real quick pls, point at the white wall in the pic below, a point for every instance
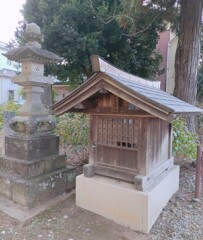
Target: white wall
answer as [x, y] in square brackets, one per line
[7, 70]
[5, 86]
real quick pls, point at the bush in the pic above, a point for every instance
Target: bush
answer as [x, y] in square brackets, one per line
[73, 129]
[184, 141]
[10, 106]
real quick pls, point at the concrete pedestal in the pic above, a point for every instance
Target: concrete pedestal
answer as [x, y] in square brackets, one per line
[120, 202]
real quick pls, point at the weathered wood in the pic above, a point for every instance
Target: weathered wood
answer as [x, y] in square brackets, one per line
[143, 182]
[107, 111]
[122, 159]
[170, 134]
[151, 100]
[142, 158]
[158, 140]
[89, 170]
[78, 96]
[138, 114]
[119, 174]
[115, 106]
[137, 102]
[104, 101]
[153, 144]
[130, 130]
[141, 92]
[92, 139]
[115, 144]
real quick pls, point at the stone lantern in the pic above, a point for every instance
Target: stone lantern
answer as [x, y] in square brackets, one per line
[32, 171]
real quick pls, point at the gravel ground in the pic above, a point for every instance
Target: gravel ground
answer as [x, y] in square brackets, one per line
[182, 218]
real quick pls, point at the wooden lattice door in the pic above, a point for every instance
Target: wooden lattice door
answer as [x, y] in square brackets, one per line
[116, 144]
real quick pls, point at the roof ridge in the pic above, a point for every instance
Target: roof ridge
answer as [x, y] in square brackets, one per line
[100, 65]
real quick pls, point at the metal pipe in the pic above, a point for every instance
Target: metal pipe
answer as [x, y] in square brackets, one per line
[198, 172]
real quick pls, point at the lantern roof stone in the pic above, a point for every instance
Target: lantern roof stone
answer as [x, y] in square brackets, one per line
[32, 50]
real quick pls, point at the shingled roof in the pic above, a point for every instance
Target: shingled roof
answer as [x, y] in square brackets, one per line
[140, 92]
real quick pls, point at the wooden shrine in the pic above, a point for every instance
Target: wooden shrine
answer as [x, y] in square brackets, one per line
[130, 129]
[131, 165]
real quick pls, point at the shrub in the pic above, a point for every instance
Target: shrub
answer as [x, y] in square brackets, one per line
[184, 141]
[73, 129]
[9, 106]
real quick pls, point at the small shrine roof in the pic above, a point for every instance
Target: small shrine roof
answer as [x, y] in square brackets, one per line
[143, 93]
[156, 96]
[34, 53]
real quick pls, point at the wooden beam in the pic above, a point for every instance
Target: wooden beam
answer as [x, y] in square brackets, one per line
[101, 81]
[138, 102]
[78, 97]
[144, 182]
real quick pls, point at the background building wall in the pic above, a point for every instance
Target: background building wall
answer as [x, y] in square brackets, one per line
[167, 46]
[8, 69]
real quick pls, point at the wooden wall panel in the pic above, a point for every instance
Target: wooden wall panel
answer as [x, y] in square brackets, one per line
[118, 158]
[92, 139]
[142, 158]
[158, 140]
[137, 144]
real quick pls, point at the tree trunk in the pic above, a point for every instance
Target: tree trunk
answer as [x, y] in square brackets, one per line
[188, 52]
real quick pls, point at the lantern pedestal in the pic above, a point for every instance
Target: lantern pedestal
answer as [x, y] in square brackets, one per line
[32, 172]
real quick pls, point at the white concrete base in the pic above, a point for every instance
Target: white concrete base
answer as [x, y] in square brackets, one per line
[120, 202]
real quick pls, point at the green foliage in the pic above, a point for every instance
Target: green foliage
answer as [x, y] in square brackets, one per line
[75, 30]
[73, 129]
[1, 121]
[21, 92]
[200, 84]
[54, 94]
[10, 106]
[184, 141]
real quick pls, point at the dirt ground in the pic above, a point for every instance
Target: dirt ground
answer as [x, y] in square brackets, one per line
[182, 219]
[66, 222]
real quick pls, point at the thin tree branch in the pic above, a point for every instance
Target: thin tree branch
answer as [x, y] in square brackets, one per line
[104, 21]
[144, 30]
[114, 17]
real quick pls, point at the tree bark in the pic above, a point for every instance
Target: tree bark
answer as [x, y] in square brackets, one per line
[188, 52]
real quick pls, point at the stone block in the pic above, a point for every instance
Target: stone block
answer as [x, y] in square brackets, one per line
[23, 192]
[30, 169]
[34, 191]
[5, 187]
[31, 192]
[31, 148]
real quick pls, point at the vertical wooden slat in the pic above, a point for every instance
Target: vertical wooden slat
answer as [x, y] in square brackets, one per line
[170, 139]
[92, 139]
[156, 144]
[142, 147]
